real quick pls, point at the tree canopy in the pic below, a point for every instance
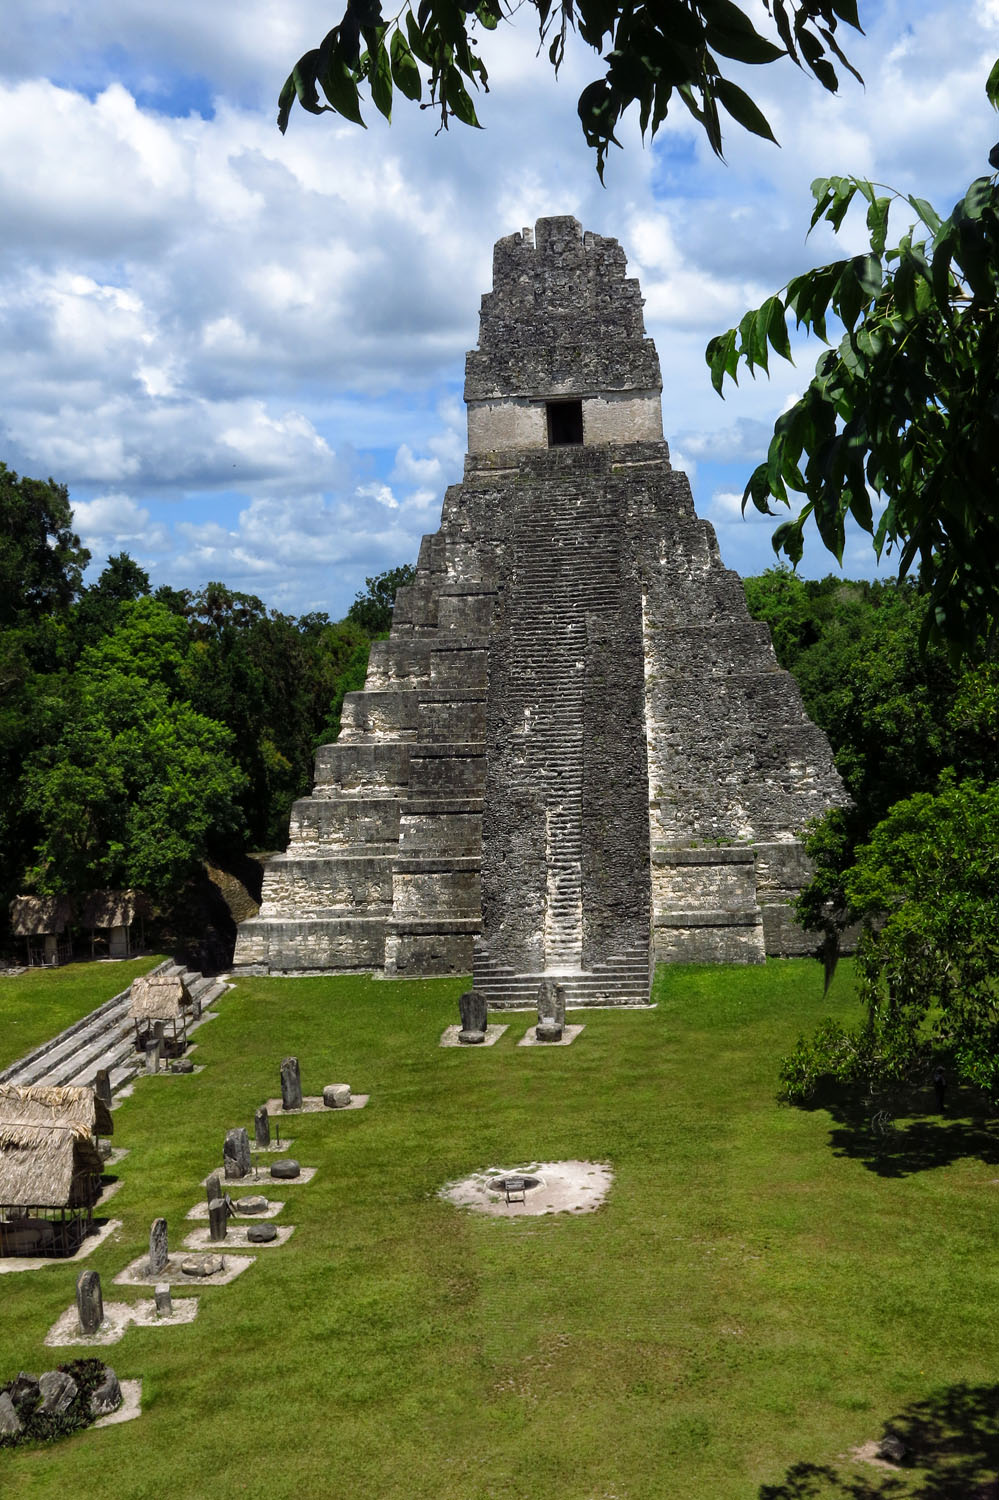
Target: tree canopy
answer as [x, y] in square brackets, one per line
[926, 887]
[655, 53]
[904, 411]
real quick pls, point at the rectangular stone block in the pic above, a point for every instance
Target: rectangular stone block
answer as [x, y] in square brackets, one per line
[380, 715]
[335, 825]
[362, 770]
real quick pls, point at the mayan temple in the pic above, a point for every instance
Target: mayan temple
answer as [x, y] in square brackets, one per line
[576, 754]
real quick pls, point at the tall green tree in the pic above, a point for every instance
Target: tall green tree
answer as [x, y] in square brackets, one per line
[656, 54]
[926, 887]
[905, 409]
[41, 557]
[134, 788]
[372, 610]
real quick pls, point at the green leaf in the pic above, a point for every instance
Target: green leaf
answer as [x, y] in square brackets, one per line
[877, 223]
[927, 213]
[869, 275]
[380, 80]
[458, 99]
[404, 69]
[341, 90]
[286, 99]
[417, 41]
[980, 196]
[743, 110]
[722, 359]
[777, 328]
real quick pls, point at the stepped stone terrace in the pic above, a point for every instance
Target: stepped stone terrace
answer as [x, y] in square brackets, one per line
[576, 754]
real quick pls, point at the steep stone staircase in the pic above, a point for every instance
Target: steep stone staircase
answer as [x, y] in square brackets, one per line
[105, 1039]
[562, 574]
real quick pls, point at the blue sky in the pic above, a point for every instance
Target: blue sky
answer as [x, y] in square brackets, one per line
[243, 352]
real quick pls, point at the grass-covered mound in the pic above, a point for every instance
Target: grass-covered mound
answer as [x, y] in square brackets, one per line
[756, 1292]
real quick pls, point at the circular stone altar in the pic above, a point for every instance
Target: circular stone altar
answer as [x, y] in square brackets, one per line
[550, 1187]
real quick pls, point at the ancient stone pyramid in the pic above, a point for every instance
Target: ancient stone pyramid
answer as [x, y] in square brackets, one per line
[576, 754]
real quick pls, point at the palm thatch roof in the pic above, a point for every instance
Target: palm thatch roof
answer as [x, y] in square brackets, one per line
[48, 1166]
[33, 916]
[113, 908]
[45, 1106]
[158, 997]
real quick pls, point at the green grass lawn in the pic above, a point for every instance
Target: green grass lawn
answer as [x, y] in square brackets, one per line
[763, 1287]
[39, 1003]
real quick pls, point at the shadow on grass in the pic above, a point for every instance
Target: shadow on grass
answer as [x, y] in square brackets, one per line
[919, 1139]
[951, 1453]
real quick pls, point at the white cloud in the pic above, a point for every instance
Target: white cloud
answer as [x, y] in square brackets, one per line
[259, 338]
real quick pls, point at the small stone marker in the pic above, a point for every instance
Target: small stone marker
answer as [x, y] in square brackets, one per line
[218, 1215]
[89, 1302]
[336, 1095]
[261, 1234]
[102, 1086]
[473, 1010]
[58, 1392]
[551, 1011]
[287, 1168]
[256, 1205]
[158, 1251]
[291, 1084]
[164, 1302]
[107, 1396]
[10, 1422]
[262, 1127]
[182, 1065]
[153, 1049]
[213, 1187]
[236, 1154]
[891, 1449]
[202, 1265]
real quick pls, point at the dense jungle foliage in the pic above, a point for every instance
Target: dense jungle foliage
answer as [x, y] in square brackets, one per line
[915, 860]
[143, 732]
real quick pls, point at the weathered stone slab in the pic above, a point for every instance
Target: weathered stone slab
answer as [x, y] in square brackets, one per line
[58, 1392]
[236, 1154]
[336, 1095]
[89, 1302]
[159, 1252]
[106, 1397]
[262, 1127]
[291, 1084]
[10, 1422]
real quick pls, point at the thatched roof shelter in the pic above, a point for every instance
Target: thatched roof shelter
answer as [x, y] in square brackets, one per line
[33, 916]
[158, 997]
[113, 908]
[48, 1166]
[45, 1106]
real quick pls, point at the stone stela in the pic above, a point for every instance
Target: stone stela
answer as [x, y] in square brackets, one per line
[576, 754]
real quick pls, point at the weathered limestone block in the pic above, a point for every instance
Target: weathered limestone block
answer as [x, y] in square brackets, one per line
[389, 714]
[291, 1084]
[474, 1012]
[362, 770]
[236, 1161]
[158, 1247]
[89, 1301]
[398, 663]
[341, 825]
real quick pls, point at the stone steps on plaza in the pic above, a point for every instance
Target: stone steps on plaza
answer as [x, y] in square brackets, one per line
[105, 1039]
